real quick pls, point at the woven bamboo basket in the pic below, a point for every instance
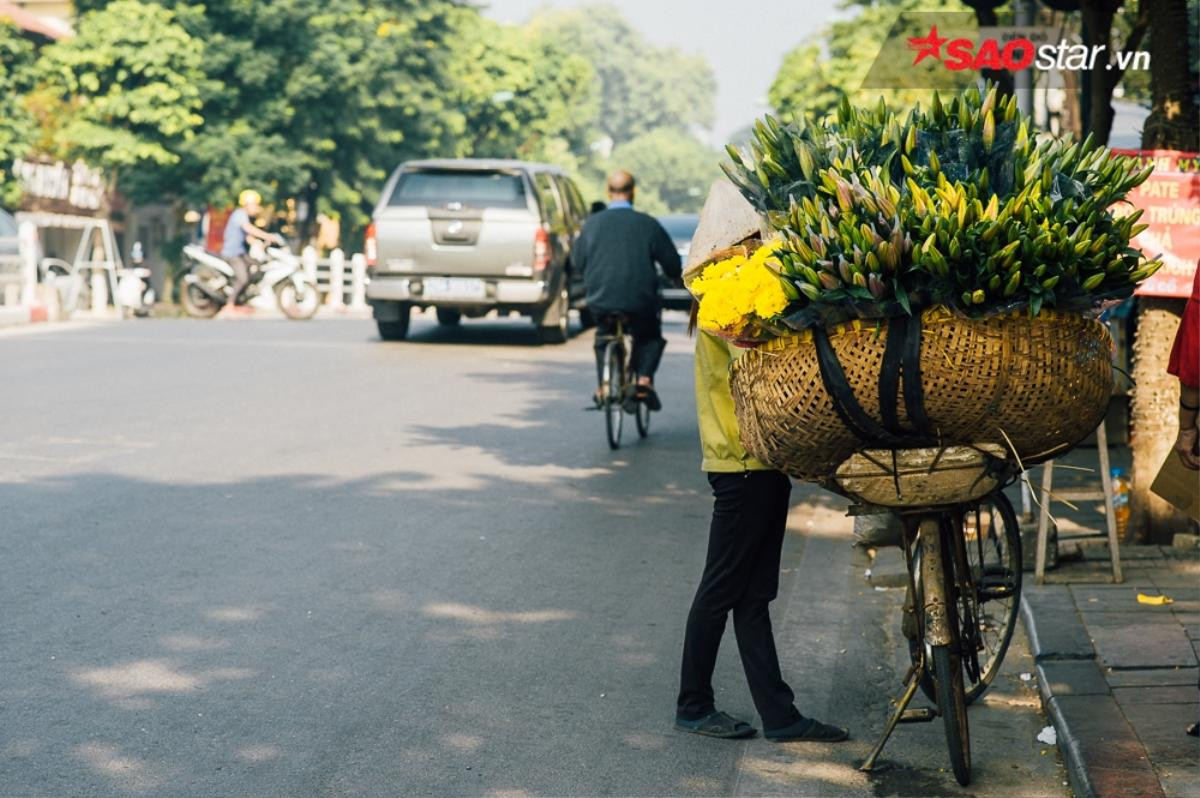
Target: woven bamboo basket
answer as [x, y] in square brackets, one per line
[1038, 385]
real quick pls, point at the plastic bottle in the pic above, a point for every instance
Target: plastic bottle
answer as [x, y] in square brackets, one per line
[1120, 488]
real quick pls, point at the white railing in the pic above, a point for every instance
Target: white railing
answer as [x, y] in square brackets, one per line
[341, 281]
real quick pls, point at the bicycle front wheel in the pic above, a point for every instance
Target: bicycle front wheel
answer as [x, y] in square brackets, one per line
[993, 547]
[613, 389]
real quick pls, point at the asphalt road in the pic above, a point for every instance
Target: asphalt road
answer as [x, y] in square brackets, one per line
[269, 558]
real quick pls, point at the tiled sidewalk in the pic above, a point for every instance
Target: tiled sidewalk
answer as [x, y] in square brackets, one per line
[1119, 677]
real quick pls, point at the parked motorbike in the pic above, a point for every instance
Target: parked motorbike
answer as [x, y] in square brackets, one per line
[209, 281]
[134, 289]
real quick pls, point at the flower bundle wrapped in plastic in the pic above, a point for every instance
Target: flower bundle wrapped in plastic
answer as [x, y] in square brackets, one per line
[741, 295]
[961, 205]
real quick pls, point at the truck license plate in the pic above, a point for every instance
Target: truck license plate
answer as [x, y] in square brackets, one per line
[454, 288]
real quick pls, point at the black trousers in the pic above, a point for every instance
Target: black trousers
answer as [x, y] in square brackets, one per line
[741, 574]
[648, 341]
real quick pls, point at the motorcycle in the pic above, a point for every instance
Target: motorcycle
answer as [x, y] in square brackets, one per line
[209, 281]
[134, 289]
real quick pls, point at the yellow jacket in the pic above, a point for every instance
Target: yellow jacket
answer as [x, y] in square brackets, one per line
[723, 451]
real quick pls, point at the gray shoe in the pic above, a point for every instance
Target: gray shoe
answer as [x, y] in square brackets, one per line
[717, 724]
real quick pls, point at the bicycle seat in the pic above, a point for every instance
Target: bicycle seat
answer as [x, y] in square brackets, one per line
[925, 477]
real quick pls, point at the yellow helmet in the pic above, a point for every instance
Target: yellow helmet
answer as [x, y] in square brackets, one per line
[248, 196]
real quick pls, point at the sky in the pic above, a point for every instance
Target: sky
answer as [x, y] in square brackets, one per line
[743, 41]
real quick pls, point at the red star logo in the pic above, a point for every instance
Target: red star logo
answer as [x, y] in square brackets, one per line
[931, 45]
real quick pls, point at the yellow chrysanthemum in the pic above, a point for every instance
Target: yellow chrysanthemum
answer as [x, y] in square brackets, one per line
[736, 291]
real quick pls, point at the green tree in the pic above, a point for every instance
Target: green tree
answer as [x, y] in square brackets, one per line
[673, 170]
[16, 122]
[130, 82]
[320, 99]
[518, 93]
[641, 87]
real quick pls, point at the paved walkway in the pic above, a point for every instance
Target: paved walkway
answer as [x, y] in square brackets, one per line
[1119, 676]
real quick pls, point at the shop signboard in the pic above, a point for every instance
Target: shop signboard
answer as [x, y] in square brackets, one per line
[1170, 201]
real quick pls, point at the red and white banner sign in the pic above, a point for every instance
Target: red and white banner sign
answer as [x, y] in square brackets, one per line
[1170, 198]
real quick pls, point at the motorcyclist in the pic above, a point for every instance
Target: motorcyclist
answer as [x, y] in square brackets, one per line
[234, 247]
[616, 253]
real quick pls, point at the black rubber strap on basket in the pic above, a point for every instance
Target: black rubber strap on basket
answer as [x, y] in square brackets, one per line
[914, 390]
[865, 428]
[889, 374]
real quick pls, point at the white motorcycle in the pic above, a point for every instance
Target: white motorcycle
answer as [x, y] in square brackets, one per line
[209, 281]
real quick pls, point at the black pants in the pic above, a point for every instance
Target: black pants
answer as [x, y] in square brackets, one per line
[648, 342]
[241, 278]
[741, 574]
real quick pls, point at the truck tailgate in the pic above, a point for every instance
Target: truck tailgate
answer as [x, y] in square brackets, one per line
[488, 242]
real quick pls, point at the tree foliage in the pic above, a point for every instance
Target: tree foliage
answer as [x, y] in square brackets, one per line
[642, 87]
[16, 122]
[318, 100]
[673, 171]
[516, 92]
[130, 79]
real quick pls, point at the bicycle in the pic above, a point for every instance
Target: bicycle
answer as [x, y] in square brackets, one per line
[962, 549]
[618, 385]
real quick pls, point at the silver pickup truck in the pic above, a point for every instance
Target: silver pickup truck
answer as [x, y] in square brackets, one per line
[470, 236]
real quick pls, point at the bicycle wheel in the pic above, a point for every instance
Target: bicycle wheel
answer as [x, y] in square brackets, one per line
[993, 547]
[613, 389]
[642, 415]
[952, 706]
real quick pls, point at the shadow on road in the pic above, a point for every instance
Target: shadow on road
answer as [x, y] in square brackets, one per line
[301, 635]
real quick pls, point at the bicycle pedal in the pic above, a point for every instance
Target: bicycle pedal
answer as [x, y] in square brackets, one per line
[919, 715]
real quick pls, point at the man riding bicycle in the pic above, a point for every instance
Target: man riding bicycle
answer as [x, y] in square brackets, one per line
[616, 253]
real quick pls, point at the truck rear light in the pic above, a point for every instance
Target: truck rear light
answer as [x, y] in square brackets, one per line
[541, 250]
[371, 246]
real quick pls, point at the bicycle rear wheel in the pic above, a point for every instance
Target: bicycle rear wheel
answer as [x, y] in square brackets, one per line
[940, 634]
[642, 415]
[952, 706]
[613, 387]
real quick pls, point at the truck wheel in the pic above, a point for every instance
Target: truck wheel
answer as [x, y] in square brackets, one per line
[553, 327]
[449, 317]
[395, 329]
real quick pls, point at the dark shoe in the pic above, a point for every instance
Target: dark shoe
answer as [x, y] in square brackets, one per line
[647, 394]
[1194, 730]
[717, 724]
[809, 730]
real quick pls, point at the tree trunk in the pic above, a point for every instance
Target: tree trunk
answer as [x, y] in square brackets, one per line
[1097, 19]
[1174, 122]
[1153, 417]
[985, 16]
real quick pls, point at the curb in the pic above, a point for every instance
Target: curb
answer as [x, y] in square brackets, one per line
[19, 315]
[1102, 754]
